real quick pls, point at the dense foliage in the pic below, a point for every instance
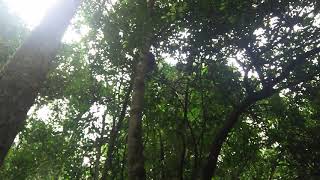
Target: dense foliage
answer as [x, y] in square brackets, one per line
[235, 79]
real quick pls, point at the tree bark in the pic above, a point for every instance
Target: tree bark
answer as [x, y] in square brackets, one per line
[23, 76]
[221, 137]
[182, 132]
[212, 159]
[136, 169]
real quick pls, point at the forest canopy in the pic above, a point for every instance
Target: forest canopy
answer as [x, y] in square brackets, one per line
[159, 89]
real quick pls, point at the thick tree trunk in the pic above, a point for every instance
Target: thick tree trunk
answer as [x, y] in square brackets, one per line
[22, 77]
[136, 169]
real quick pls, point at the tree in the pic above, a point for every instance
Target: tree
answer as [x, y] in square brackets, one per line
[24, 74]
[235, 92]
[135, 144]
[286, 74]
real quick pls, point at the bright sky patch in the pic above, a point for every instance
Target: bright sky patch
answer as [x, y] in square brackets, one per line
[30, 11]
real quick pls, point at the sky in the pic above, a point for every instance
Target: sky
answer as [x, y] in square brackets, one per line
[30, 11]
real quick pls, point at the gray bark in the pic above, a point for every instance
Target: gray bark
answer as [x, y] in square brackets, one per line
[136, 169]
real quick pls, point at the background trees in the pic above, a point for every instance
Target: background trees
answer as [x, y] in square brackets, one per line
[234, 94]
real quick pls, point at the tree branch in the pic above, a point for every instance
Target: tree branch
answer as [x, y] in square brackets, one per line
[300, 59]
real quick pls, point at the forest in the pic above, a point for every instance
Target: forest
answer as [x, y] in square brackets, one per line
[162, 89]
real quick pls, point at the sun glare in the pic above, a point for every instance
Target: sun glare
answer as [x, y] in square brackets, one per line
[30, 11]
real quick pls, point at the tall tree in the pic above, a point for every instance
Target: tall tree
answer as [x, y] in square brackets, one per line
[23, 76]
[136, 168]
[280, 48]
[219, 111]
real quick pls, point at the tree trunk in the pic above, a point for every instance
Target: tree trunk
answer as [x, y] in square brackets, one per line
[212, 159]
[222, 135]
[23, 76]
[136, 169]
[182, 132]
[267, 91]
